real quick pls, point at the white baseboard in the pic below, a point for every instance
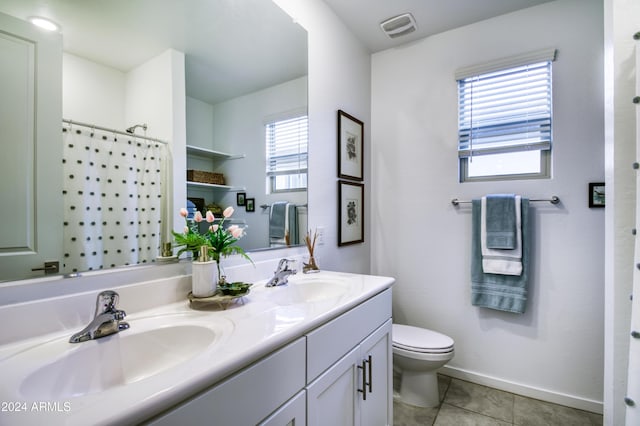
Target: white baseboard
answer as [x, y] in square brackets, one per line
[524, 390]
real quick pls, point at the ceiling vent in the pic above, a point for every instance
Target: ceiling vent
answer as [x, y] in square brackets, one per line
[399, 25]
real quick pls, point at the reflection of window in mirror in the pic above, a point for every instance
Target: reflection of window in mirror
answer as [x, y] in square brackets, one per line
[286, 148]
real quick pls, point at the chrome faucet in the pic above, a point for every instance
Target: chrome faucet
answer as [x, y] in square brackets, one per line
[281, 274]
[107, 319]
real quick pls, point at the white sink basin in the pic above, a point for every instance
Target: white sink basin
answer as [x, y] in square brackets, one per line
[58, 369]
[309, 289]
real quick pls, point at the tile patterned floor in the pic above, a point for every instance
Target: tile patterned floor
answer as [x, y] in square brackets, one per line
[469, 404]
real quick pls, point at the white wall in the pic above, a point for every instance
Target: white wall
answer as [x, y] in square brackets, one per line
[92, 93]
[199, 123]
[555, 350]
[150, 96]
[622, 20]
[339, 78]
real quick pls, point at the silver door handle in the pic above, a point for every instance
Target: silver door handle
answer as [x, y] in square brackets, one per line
[49, 267]
[363, 367]
[370, 361]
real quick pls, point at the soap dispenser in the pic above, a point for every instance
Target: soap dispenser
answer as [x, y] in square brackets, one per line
[203, 271]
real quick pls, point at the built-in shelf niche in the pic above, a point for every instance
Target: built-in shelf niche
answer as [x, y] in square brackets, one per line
[214, 155]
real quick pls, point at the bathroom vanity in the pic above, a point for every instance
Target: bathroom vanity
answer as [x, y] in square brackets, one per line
[316, 351]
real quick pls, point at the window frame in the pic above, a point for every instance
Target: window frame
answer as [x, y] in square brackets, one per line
[545, 171]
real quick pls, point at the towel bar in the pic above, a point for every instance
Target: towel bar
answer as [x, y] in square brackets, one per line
[266, 206]
[553, 200]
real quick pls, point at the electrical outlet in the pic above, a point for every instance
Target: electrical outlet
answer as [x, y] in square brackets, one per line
[320, 234]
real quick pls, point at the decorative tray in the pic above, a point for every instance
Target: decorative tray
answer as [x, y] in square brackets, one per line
[224, 296]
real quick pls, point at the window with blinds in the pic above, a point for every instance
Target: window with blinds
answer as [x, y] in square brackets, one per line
[286, 147]
[505, 118]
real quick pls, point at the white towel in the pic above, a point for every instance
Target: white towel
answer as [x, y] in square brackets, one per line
[497, 261]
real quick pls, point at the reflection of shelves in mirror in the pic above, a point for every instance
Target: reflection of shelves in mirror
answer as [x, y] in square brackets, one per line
[213, 155]
[209, 153]
[215, 187]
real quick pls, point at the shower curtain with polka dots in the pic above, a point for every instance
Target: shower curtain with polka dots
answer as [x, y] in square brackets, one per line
[112, 192]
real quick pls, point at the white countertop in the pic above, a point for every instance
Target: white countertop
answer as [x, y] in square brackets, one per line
[268, 319]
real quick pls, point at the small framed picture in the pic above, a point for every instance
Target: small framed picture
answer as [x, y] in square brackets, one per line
[250, 204]
[350, 147]
[351, 213]
[596, 194]
[240, 198]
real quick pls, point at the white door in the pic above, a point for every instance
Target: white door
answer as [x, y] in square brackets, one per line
[332, 399]
[633, 379]
[30, 148]
[377, 408]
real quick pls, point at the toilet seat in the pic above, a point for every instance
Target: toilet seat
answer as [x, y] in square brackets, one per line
[420, 340]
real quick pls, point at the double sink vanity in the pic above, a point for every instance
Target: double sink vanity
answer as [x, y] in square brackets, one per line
[316, 351]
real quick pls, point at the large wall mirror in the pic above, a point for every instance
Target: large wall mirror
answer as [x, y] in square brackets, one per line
[245, 78]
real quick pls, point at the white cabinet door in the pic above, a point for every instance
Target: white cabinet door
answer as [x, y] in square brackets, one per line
[357, 390]
[332, 399]
[31, 145]
[376, 405]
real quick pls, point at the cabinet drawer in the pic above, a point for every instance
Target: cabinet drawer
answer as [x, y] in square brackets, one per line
[293, 413]
[247, 397]
[328, 343]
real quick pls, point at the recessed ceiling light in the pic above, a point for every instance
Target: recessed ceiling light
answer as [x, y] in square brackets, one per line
[44, 23]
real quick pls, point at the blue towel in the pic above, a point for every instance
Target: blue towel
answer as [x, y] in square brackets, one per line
[276, 219]
[501, 292]
[294, 238]
[501, 261]
[501, 221]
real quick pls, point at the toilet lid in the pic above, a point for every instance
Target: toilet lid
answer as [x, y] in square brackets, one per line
[418, 339]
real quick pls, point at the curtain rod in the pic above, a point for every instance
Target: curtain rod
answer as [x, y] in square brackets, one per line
[105, 129]
[553, 200]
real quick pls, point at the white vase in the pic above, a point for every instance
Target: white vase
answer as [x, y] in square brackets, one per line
[203, 278]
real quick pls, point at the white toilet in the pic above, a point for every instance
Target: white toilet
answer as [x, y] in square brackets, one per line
[418, 353]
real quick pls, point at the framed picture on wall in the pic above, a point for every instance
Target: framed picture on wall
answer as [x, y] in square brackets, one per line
[350, 147]
[250, 204]
[351, 213]
[596, 194]
[240, 198]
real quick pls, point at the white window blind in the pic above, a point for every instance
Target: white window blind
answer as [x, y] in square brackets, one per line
[506, 110]
[287, 142]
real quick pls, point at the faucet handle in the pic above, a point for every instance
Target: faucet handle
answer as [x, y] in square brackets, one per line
[287, 268]
[106, 302]
[283, 265]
